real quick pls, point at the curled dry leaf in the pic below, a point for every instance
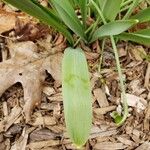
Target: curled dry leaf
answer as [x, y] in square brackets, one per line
[8, 20]
[28, 68]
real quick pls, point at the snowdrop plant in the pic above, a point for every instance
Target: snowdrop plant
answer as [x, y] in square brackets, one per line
[111, 23]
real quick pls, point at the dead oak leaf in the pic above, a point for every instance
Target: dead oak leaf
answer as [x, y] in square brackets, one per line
[28, 67]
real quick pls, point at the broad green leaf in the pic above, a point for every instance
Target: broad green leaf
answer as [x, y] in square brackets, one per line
[76, 95]
[142, 37]
[143, 15]
[41, 13]
[69, 17]
[113, 28]
[83, 7]
[101, 3]
[111, 8]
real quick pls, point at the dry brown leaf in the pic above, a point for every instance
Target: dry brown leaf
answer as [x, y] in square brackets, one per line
[7, 21]
[29, 68]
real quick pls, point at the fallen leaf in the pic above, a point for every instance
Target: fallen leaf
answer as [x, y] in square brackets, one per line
[7, 22]
[29, 68]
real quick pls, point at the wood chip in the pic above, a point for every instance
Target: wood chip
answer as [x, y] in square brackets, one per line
[46, 120]
[9, 120]
[147, 77]
[101, 133]
[125, 141]
[104, 110]
[147, 119]
[109, 146]
[101, 97]
[144, 146]
[43, 144]
[22, 142]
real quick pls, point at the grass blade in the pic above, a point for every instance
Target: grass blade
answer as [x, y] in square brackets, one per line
[43, 14]
[83, 7]
[69, 17]
[76, 95]
[143, 15]
[113, 28]
[142, 37]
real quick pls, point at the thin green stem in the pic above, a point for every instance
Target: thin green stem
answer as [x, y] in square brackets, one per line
[123, 96]
[90, 28]
[101, 57]
[126, 3]
[125, 105]
[125, 8]
[99, 11]
[130, 10]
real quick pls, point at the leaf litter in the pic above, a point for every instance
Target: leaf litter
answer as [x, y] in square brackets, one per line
[32, 114]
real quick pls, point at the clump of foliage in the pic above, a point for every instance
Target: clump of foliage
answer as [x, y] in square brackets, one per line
[112, 20]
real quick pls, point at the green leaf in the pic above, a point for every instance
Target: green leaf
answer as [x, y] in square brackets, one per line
[43, 14]
[83, 7]
[142, 37]
[101, 3]
[67, 13]
[76, 95]
[113, 28]
[111, 8]
[143, 16]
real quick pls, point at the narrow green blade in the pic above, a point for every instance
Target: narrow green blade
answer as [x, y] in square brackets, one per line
[76, 96]
[111, 8]
[41, 13]
[67, 13]
[113, 28]
[143, 16]
[83, 7]
[142, 37]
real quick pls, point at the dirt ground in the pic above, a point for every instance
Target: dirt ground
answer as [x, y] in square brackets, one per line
[31, 106]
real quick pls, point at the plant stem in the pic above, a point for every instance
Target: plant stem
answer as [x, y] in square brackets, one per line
[99, 11]
[123, 94]
[126, 3]
[90, 28]
[101, 57]
[130, 10]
